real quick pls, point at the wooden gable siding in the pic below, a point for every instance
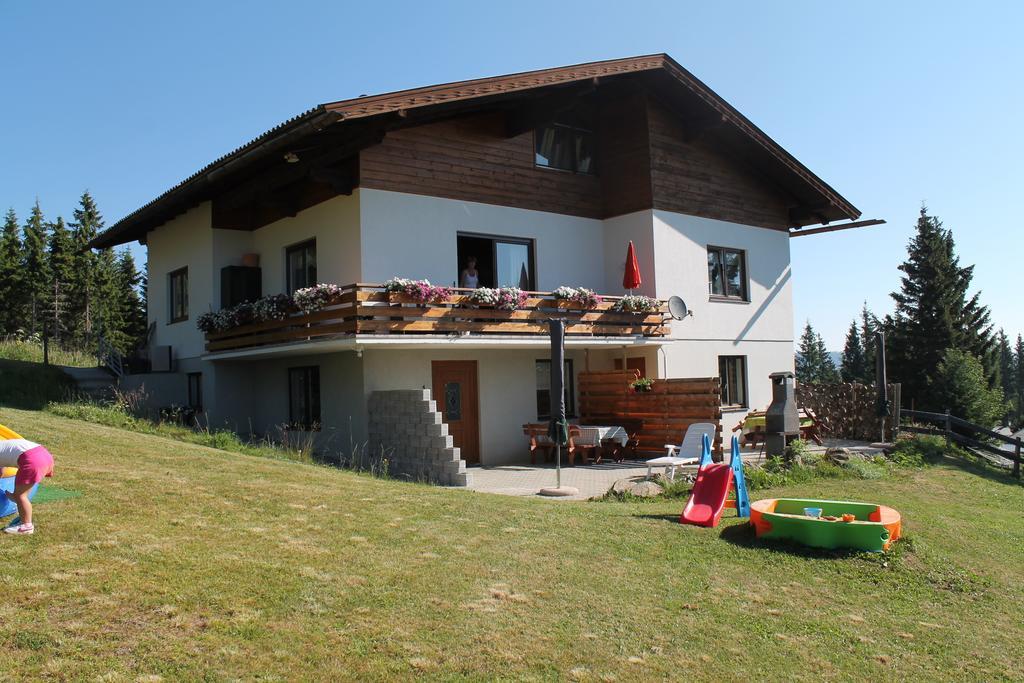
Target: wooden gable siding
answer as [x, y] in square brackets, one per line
[698, 179]
[624, 155]
[470, 159]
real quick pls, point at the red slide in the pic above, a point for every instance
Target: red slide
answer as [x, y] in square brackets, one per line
[707, 500]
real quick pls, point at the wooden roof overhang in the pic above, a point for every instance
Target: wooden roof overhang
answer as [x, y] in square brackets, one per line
[328, 137]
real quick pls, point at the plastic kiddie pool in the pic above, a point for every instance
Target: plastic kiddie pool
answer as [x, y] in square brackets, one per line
[874, 527]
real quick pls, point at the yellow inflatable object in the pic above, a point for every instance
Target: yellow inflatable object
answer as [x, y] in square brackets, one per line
[6, 433]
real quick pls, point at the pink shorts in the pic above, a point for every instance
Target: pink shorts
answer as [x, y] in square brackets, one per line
[33, 465]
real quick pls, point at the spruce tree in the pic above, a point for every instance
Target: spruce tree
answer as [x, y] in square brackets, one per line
[854, 366]
[35, 269]
[813, 363]
[132, 311]
[11, 292]
[1018, 365]
[61, 259]
[934, 313]
[869, 324]
[1007, 376]
[81, 295]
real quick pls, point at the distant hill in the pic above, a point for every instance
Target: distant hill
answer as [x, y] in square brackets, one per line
[837, 357]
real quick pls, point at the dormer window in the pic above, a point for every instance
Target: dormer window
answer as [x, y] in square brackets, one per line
[564, 147]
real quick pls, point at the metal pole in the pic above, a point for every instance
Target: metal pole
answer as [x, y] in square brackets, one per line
[558, 464]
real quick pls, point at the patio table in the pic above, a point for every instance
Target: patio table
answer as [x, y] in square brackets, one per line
[613, 437]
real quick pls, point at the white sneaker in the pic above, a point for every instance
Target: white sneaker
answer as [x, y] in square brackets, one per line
[21, 529]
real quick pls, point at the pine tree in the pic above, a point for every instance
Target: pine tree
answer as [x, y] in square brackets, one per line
[1018, 364]
[854, 366]
[11, 292]
[813, 363]
[35, 269]
[869, 324]
[61, 259]
[106, 311]
[81, 295]
[133, 312]
[1007, 376]
[934, 313]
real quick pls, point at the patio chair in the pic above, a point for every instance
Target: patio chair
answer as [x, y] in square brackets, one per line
[539, 441]
[686, 453]
[579, 444]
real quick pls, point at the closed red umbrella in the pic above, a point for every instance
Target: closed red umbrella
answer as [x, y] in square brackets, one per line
[631, 278]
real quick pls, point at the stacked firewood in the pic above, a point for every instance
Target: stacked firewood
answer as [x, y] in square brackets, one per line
[846, 411]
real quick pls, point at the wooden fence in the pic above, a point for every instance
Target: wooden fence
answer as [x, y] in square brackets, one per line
[847, 411]
[962, 432]
[661, 414]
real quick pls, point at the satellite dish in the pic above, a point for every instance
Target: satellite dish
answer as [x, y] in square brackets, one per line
[677, 308]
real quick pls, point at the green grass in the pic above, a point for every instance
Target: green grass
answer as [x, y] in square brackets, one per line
[191, 563]
[112, 415]
[32, 352]
[32, 385]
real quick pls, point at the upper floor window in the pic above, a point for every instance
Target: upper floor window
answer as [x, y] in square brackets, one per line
[732, 370]
[300, 261]
[727, 273]
[177, 282]
[304, 398]
[564, 147]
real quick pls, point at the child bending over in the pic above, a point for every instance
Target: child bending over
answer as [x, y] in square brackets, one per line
[33, 462]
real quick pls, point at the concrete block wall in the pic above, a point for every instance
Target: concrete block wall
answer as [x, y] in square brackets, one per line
[406, 426]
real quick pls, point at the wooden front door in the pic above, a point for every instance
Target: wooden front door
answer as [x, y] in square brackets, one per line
[455, 391]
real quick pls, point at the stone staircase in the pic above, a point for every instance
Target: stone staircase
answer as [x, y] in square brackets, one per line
[97, 384]
[406, 427]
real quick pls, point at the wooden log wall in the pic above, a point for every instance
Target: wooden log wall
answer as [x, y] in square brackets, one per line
[846, 411]
[663, 413]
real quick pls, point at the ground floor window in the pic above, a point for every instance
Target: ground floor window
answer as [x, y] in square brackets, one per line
[544, 390]
[733, 373]
[195, 391]
[304, 398]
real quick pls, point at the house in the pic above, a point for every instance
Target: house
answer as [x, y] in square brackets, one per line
[544, 177]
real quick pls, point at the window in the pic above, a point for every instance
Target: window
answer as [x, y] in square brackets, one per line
[304, 398]
[301, 265]
[733, 373]
[500, 261]
[195, 391]
[178, 286]
[544, 390]
[565, 147]
[727, 273]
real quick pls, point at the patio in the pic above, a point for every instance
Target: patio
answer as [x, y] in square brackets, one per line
[595, 480]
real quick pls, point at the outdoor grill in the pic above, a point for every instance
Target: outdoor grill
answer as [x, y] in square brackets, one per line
[781, 420]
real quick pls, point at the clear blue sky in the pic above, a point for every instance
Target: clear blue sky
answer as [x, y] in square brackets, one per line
[893, 103]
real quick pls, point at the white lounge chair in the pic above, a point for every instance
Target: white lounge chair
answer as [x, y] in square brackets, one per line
[686, 453]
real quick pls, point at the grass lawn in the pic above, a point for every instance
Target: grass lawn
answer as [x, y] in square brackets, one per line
[191, 563]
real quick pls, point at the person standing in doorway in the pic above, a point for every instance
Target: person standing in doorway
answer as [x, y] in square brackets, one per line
[470, 276]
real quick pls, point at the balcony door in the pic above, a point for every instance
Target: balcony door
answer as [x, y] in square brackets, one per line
[455, 390]
[501, 261]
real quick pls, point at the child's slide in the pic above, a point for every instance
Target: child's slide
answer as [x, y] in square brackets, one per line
[707, 500]
[7, 479]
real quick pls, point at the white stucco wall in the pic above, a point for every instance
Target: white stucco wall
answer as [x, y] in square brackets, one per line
[414, 236]
[760, 329]
[184, 241]
[618, 231]
[335, 226]
[507, 390]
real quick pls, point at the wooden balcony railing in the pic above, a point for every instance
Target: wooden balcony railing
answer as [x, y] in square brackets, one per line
[368, 309]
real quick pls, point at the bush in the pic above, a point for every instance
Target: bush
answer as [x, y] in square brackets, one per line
[920, 451]
[961, 386]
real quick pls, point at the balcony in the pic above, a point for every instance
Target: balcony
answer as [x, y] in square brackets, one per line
[368, 312]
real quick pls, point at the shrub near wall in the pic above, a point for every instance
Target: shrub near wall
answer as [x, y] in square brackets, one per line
[846, 411]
